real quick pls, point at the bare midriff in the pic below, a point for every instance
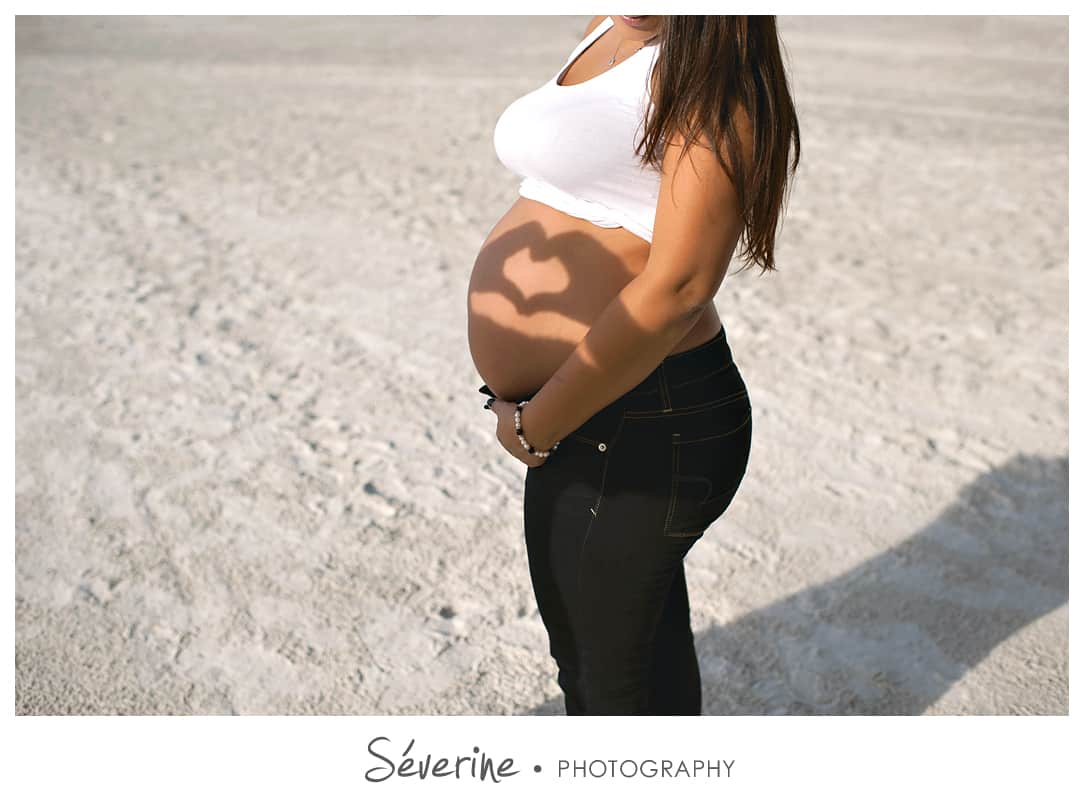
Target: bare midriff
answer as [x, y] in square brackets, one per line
[541, 279]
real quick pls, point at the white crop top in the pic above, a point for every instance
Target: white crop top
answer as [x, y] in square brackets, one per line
[574, 146]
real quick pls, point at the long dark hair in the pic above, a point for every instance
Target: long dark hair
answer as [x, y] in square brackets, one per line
[715, 75]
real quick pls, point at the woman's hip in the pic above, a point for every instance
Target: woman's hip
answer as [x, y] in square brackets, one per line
[679, 440]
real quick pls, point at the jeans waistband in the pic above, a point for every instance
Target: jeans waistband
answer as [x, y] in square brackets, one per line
[676, 370]
[687, 365]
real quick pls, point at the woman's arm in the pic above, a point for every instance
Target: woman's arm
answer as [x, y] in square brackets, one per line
[697, 227]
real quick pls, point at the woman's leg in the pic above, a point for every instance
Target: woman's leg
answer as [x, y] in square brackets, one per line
[609, 520]
[631, 611]
[610, 585]
[556, 517]
[675, 672]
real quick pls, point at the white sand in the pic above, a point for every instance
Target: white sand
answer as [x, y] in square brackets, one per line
[253, 473]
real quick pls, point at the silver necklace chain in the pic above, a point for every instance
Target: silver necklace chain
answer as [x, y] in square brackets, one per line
[622, 42]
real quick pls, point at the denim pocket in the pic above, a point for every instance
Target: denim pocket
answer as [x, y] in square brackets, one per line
[577, 468]
[708, 460]
[599, 431]
[588, 439]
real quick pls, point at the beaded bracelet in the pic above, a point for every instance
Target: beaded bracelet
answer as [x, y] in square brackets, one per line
[519, 433]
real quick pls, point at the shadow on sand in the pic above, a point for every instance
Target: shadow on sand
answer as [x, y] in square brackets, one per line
[891, 636]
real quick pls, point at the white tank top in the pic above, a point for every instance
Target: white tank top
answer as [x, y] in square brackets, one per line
[574, 146]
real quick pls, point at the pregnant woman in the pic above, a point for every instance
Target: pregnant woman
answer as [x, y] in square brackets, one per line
[661, 142]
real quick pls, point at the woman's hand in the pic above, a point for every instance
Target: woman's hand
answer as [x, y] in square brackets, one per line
[506, 433]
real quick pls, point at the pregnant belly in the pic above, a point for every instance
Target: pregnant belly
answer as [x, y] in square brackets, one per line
[540, 280]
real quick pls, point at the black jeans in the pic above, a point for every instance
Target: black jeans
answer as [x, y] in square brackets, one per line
[609, 518]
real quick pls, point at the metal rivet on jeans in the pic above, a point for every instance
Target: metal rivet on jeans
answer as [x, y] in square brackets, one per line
[602, 446]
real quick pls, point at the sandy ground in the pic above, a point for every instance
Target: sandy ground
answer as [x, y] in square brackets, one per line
[253, 474]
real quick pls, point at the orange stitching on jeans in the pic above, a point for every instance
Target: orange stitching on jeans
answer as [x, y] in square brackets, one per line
[597, 506]
[676, 442]
[664, 389]
[678, 412]
[703, 377]
[583, 438]
[714, 436]
[673, 483]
